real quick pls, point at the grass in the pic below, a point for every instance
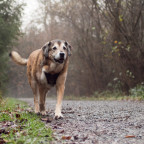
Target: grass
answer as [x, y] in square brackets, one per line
[19, 126]
[103, 98]
[106, 95]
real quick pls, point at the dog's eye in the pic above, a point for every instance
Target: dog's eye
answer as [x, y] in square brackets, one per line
[64, 48]
[54, 48]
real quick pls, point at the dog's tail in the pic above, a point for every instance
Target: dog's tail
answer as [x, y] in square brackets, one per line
[17, 58]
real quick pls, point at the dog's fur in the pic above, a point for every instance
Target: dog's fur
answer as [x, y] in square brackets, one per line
[47, 67]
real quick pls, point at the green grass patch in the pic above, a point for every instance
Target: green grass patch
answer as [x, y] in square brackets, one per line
[19, 126]
[106, 95]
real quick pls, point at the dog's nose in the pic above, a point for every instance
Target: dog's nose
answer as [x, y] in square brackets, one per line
[62, 55]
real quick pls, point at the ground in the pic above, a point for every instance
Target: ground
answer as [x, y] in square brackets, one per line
[97, 122]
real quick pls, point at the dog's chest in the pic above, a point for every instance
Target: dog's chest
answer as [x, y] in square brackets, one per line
[55, 68]
[51, 78]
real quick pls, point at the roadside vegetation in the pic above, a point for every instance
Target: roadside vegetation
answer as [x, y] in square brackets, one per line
[136, 93]
[19, 125]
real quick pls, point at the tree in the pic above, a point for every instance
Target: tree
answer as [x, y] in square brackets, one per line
[10, 14]
[126, 24]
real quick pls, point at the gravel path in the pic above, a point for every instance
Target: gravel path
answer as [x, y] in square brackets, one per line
[98, 122]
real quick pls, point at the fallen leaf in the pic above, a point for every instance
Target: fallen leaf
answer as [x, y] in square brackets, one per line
[8, 123]
[44, 119]
[130, 136]
[68, 108]
[62, 131]
[3, 131]
[14, 126]
[23, 120]
[59, 124]
[84, 138]
[17, 115]
[2, 141]
[47, 119]
[24, 133]
[14, 131]
[66, 137]
[70, 112]
[76, 137]
[55, 127]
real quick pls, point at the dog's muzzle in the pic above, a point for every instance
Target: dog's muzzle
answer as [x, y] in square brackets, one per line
[61, 58]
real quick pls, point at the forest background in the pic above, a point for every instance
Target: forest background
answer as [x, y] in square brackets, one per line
[107, 37]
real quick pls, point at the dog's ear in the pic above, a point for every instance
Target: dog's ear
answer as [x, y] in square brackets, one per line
[69, 48]
[46, 48]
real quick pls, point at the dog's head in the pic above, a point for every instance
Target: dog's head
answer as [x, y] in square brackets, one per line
[57, 50]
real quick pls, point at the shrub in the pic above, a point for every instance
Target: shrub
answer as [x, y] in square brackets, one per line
[138, 91]
[108, 93]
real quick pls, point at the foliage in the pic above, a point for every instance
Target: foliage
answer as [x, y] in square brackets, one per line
[10, 14]
[138, 91]
[108, 94]
[18, 125]
[106, 36]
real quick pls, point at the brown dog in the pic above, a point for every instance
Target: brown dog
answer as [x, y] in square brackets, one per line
[47, 67]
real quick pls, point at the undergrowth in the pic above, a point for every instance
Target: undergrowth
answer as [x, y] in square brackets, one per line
[135, 94]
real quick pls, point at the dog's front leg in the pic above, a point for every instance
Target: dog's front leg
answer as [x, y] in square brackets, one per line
[60, 93]
[60, 86]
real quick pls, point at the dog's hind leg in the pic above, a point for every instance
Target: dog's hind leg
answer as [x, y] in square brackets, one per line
[36, 96]
[36, 101]
[34, 87]
[42, 92]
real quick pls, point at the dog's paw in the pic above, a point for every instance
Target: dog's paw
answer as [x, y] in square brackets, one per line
[43, 113]
[37, 112]
[58, 116]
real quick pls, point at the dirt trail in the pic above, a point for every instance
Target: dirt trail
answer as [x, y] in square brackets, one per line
[98, 122]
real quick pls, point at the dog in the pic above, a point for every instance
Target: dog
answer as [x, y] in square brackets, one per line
[47, 67]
